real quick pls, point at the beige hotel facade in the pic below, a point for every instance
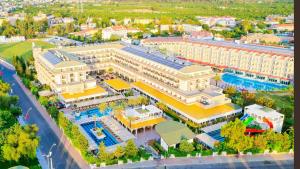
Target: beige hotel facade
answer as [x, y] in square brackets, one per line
[267, 63]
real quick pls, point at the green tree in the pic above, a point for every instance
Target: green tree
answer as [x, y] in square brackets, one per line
[44, 101]
[260, 143]
[102, 107]
[217, 78]
[130, 149]
[4, 87]
[185, 146]
[20, 142]
[102, 154]
[119, 152]
[6, 119]
[234, 136]
[231, 90]
[292, 136]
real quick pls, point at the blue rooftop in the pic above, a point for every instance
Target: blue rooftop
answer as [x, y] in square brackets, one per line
[172, 62]
[52, 58]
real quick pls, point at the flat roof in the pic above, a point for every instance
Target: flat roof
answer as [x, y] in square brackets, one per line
[97, 91]
[172, 132]
[262, 111]
[52, 58]
[138, 125]
[194, 110]
[171, 62]
[117, 84]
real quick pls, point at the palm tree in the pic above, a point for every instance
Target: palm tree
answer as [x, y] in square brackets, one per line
[217, 78]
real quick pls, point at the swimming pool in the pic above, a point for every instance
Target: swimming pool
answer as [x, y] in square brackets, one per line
[92, 112]
[216, 135]
[250, 84]
[109, 140]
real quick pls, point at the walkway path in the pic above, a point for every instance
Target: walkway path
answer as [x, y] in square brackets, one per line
[271, 161]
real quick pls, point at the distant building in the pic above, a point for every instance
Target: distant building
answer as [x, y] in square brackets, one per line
[273, 19]
[202, 34]
[188, 28]
[289, 19]
[172, 132]
[222, 21]
[85, 32]
[143, 21]
[264, 115]
[260, 37]
[40, 17]
[12, 39]
[113, 21]
[283, 27]
[120, 31]
[126, 21]
[67, 20]
[12, 19]
[164, 27]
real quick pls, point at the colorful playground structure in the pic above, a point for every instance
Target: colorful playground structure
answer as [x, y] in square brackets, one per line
[247, 120]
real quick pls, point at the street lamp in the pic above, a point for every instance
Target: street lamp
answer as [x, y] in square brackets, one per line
[49, 158]
[27, 113]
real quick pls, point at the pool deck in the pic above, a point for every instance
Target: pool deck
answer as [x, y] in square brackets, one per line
[124, 134]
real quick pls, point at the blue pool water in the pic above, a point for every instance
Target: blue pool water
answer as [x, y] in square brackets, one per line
[93, 112]
[216, 135]
[109, 140]
[250, 84]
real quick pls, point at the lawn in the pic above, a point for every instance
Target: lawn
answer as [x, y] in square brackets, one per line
[24, 49]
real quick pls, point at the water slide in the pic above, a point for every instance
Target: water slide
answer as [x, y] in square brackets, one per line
[266, 120]
[248, 121]
[248, 130]
[244, 117]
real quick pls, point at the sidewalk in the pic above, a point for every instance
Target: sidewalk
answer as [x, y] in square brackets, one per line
[208, 160]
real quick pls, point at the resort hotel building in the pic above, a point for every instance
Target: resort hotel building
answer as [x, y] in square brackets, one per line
[260, 62]
[182, 86]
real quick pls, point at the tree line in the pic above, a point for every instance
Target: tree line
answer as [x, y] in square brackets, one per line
[18, 144]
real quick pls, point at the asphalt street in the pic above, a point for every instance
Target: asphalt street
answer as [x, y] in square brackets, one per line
[61, 157]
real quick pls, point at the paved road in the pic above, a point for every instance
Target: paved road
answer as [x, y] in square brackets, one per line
[271, 161]
[63, 153]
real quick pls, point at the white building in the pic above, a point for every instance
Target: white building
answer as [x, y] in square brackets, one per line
[67, 20]
[191, 28]
[120, 31]
[263, 115]
[223, 21]
[126, 21]
[12, 39]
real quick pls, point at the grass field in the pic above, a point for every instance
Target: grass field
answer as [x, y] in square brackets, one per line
[24, 49]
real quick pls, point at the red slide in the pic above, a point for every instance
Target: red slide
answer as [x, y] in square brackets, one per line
[268, 122]
[248, 130]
